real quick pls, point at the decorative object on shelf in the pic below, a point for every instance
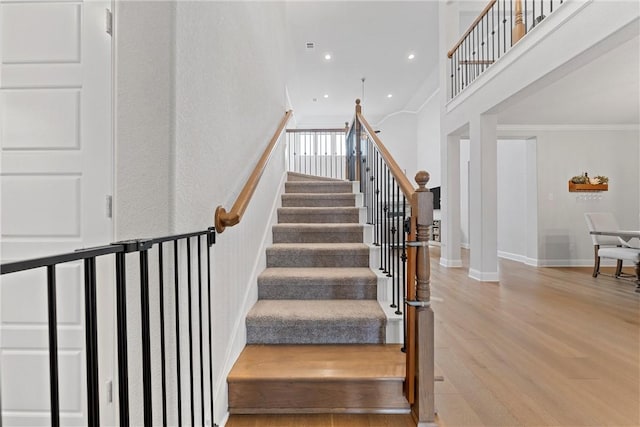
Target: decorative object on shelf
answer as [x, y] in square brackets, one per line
[584, 183]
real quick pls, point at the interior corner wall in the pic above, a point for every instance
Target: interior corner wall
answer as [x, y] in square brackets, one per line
[512, 199]
[230, 97]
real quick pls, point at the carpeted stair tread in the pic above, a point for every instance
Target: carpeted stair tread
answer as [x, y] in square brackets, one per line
[318, 255]
[317, 283]
[318, 187]
[315, 322]
[318, 200]
[319, 215]
[317, 233]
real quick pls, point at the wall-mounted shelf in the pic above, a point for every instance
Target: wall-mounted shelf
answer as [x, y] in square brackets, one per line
[587, 187]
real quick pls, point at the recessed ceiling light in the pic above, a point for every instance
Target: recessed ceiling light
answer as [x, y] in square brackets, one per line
[327, 56]
[390, 95]
[326, 95]
[411, 56]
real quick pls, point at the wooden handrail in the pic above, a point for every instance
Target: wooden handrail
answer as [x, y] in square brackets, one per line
[402, 180]
[225, 219]
[471, 27]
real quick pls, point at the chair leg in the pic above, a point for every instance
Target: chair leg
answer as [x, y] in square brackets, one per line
[618, 268]
[596, 261]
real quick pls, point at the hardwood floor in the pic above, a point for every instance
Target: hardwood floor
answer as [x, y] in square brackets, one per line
[543, 347]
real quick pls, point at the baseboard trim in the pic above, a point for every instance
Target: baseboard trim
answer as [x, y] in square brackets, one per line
[483, 276]
[450, 263]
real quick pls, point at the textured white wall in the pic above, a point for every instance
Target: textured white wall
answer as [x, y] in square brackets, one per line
[199, 92]
[230, 97]
[143, 60]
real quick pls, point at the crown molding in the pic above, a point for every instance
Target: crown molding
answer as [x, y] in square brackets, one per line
[567, 128]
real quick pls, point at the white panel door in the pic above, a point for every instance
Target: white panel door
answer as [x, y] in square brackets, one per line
[55, 176]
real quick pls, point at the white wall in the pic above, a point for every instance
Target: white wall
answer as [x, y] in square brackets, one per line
[230, 97]
[428, 139]
[398, 134]
[199, 92]
[563, 235]
[512, 199]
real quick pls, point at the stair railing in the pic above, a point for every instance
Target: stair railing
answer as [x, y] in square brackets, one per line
[401, 216]
[167, 259]
[225, 219]
[500, 25]
[319, 152]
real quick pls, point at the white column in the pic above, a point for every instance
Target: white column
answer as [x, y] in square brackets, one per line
[450, 196]
[483, 200]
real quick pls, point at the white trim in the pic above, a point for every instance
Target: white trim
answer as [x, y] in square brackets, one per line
[568, 128]
[483, 276]
[511, 256]
[238, 335]
[465, 245]
[450, 263]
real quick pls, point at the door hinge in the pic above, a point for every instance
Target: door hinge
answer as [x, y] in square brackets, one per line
[108, 22]
[109, 391]
[109, 206]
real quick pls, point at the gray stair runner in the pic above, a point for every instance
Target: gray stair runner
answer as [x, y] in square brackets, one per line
[318, 287]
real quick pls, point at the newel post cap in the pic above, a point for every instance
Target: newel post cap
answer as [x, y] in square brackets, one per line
[358, 106]
[422, 177]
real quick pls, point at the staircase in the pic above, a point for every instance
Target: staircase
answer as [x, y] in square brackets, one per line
[316, 337]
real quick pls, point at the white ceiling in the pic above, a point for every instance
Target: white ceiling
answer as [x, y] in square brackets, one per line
[372, 39]
[366, 39]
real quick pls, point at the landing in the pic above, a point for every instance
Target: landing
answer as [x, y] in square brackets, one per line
[320, 362]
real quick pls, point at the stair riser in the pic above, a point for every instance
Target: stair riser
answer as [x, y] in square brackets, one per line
[296, 201]
[295, 258]
[317, 187]
[338, 396]
[310, 332]
[301, 236]
[316, 291]
[288, 217]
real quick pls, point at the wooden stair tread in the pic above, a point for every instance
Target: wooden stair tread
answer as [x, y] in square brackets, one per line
[324, 362]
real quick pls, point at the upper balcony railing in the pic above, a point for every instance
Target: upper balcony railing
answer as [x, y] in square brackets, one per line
[500, 25]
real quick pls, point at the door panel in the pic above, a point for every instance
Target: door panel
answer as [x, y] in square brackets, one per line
[55, 174]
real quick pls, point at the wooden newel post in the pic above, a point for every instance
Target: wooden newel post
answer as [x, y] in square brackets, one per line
[424, 408]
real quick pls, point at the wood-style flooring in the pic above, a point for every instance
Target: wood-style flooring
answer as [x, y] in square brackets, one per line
[543, 347]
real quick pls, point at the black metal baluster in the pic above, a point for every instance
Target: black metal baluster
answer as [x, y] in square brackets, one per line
[533, 13]
[511, 23]
[200, 329]
[498, 26]
[392, 271]
[146, 337]
[121, 321]
[211, 240]
[493, 35]
[190, 317]
[400, 228]
[388, 221]
[176, 277]
[504, 25]
[162, 341]
[53, 346]
[91, 334]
